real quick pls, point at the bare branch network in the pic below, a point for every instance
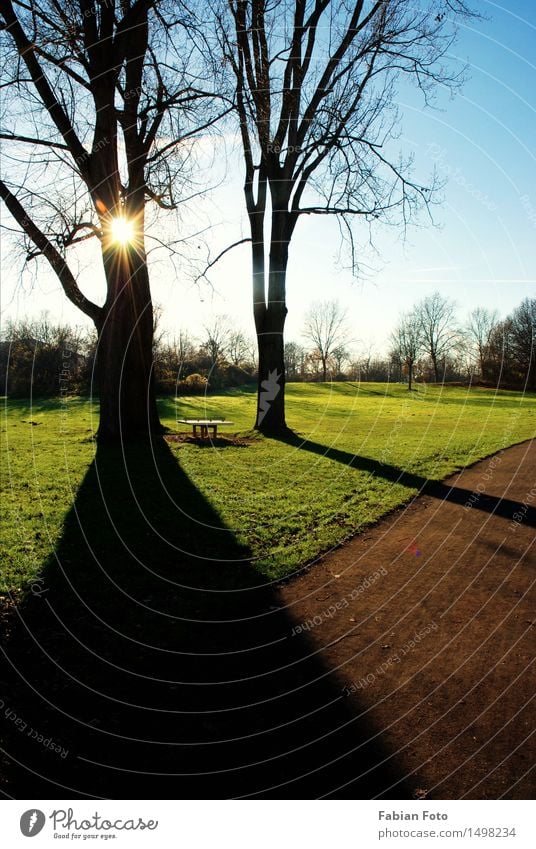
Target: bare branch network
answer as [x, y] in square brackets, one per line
[103, 102]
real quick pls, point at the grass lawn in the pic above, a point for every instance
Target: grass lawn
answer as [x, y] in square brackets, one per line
[285, 501]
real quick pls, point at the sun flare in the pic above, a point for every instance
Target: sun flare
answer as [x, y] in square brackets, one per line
[122, 230]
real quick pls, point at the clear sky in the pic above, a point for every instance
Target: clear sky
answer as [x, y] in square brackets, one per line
[481, 253]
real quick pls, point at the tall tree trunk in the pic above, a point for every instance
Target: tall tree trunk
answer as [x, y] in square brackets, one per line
[270, 325]
[410, 375]
[271, 386]
[125, 349]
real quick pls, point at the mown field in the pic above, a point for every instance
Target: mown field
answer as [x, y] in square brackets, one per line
[358, 452]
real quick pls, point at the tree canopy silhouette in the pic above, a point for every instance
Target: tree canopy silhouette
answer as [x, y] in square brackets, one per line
[104, 98]
[316, 93]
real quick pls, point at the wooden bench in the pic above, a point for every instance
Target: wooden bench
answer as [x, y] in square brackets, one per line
[205, 425]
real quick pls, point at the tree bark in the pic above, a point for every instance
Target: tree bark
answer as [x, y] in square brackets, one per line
[271, 384]
[410, 375]
[270, 325]
[125, 349]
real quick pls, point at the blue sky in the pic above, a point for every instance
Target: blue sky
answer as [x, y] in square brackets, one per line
[480, 253]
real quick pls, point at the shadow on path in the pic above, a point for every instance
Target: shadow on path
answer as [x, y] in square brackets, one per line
[148, 664]
[503, 507]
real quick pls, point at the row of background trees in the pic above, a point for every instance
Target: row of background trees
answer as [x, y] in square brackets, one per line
[429, 343]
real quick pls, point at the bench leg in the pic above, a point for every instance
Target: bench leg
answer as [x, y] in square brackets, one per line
[194, 428]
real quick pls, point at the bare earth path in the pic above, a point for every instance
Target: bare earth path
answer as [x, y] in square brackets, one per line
[438, 649]
[398, 666]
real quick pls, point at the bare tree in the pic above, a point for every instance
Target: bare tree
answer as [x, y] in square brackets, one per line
[340, 355]
[523, 335]
[216, 339]
[365, 361]
[238, 348]
[313, 364]
[440, 335]
[294, 360]
[354, 370]
[395, 362]
[252, 352]
[104, 98]
[480, 327]
[316, 104]
[325, 327]
[184, 347]
[407, 342]
[512, 348]
[502, 361]
[174, 356]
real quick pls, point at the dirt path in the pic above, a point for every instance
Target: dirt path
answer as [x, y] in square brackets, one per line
[398, 666]
[437, 650]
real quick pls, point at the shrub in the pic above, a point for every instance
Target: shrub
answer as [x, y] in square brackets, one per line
[194, 384]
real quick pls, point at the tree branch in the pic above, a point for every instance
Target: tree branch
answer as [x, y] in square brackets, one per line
[58, 263]
[26, 51]
[29, 140]
[220, 255]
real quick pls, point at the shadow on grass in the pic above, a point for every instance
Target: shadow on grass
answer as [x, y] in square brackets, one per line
[504, 507]
[210, 441]
[147, 663]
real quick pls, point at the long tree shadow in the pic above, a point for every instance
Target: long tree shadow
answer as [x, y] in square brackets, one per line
[504, 507]
[149, 663]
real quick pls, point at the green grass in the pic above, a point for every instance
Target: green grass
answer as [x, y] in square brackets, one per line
[286, 502]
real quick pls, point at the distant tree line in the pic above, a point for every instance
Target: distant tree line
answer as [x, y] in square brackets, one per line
[40, 358]
[44, 359]
[221, 356]
[428, 343]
